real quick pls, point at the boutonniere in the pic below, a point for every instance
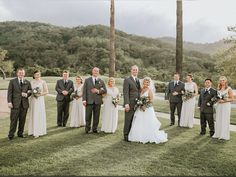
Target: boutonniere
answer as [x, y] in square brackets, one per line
[24, 82]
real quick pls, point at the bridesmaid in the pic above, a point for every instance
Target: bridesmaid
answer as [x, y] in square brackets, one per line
[223, 110]
[37, 114]
[77, 115]
[188, 107]
[110, 111]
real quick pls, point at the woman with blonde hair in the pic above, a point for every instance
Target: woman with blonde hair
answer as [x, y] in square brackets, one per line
[110, 107]
[223, 109]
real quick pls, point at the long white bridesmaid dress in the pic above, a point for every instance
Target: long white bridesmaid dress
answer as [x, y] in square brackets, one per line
[77, 115]
[110, 112]
[188, 107]
[37, 113]
[223, 112]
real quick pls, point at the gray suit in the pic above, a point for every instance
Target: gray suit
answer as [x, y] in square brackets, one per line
[206, 111]
[131, 91]
[20, 105]
[94, 101]
[175, 101]
[63, 102]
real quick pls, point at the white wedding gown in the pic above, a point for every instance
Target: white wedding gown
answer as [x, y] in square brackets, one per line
[37, 114]
[145, 127]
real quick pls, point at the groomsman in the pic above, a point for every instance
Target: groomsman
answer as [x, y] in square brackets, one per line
[206, 104]
[64, 88]
[93, 89]
[19, 90]
[174, 95]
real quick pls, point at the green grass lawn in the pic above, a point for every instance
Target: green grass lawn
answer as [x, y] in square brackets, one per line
[69, 151]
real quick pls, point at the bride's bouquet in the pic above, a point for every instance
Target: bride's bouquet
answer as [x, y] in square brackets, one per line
[187, 95]
[36, 92]
[142, 103]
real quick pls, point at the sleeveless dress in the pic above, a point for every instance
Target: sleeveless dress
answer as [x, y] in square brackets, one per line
[37, 113]
[145, 127]
[110, 112]
[188, 108]
[77, 115]
[223, 111]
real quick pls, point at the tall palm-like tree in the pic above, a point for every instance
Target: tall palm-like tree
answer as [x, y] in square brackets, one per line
[179, 37]
[112, 40]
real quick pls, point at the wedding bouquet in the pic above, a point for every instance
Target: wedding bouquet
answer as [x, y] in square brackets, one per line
[75, 95]
[142, 103]
[36, 92]
[187, 95]
[219, 96]
[116, 100]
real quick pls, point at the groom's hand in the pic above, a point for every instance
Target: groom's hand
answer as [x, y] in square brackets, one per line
[127, 108]
[84, 103]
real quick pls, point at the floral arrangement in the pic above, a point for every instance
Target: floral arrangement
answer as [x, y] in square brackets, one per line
[219, 96]
[36, 92]
[187, 95]
[116, 100]
[142, 103]
[75, 95]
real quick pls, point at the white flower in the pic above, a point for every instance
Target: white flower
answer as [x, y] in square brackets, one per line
[34, 91]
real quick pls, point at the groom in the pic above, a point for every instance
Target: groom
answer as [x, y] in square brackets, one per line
[131, 91]
[19, 90]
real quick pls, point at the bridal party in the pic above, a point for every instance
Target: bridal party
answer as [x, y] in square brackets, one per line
[86, 102]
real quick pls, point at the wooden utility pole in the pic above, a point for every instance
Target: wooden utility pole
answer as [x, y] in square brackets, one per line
[179, 37]
[112, 40]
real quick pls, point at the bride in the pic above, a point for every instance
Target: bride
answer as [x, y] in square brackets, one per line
[145, 125]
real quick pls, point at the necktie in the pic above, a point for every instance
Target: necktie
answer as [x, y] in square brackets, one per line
[21, 83]
[65, 83]
[137, 82]
[95, 81]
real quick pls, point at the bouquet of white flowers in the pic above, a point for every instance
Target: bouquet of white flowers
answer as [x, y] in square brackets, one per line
[142, 103]
[36, 92]
[187, 95]
[116, 100]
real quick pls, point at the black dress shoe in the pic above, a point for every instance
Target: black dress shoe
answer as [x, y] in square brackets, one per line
[10, 138]
[202, 133]
[59, 125]
[21, 136]
[64, 125]
[95, 131]
[171, 124]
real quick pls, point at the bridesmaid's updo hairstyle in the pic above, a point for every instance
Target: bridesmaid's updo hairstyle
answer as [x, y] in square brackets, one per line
[80, 78]
[36, 71]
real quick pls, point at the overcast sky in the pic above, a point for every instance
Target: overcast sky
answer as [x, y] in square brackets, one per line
[204, 20]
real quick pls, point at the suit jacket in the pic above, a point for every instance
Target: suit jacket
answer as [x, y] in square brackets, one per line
[204, 98]
[131, 91]
[60, 86]
[14, 93]
[172, 88]
[90, 97]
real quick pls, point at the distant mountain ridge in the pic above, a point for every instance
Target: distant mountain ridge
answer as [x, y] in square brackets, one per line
[209, 48]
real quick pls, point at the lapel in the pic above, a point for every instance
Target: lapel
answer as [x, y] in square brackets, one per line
[91, 80]
[134, 82]
[17, 83]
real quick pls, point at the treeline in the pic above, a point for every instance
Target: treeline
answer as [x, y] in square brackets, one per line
[51, 48]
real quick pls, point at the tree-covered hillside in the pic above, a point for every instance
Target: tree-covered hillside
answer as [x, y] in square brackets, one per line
[53, 48]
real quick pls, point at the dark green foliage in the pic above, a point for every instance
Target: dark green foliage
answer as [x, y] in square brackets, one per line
[52, 49]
